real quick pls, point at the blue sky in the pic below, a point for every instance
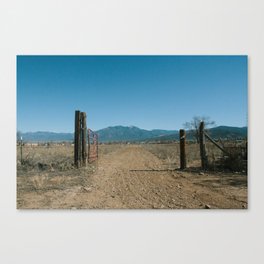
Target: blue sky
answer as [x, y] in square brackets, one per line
[145, 91]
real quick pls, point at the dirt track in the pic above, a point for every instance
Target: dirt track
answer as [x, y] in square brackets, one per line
[132, 177]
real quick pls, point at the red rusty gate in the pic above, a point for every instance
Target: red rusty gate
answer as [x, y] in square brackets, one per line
[92, 146]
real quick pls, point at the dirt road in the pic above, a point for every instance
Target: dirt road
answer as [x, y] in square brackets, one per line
[132, 177]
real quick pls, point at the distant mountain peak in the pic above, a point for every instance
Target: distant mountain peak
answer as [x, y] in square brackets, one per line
[133, 133]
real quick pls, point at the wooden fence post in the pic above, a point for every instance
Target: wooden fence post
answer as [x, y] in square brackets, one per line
[182, 149]
[84, 134]
[202, 146]
[77, 139]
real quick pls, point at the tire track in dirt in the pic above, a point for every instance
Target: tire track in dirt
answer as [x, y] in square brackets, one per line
[141, 182]
[137, 189]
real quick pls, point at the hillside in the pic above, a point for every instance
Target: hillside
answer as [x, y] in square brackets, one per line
[122, 133]
[43, 136]
[223, 132]
[132, 133]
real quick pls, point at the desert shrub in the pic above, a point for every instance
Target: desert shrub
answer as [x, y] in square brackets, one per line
[235, 158]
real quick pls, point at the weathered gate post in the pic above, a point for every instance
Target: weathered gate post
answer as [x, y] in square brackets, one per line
[182, 149]
[202, 146]
[83, 136]
[77, 139]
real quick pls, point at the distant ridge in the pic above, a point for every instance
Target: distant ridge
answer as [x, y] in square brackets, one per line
[132, 133]
[44, 136]
[223, 132]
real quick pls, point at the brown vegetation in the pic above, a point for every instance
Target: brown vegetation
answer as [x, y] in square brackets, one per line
[126, 176]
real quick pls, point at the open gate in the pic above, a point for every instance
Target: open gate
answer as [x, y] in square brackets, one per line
[92, 146]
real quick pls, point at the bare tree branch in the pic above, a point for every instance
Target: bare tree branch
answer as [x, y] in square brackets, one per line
[193, 125]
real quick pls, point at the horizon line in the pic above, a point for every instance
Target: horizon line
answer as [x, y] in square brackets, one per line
[46, 131]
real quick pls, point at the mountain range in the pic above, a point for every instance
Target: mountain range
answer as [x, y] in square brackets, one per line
[132, 133]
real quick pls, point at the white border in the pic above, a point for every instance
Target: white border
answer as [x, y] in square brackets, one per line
[130, 27]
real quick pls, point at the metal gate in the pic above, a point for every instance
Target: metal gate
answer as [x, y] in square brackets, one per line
[92, 146]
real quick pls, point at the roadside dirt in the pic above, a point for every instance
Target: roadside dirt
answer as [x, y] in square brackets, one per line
[132, 177]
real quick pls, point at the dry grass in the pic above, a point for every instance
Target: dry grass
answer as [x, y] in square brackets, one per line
[109, 148]
[60, 158]
[49, 168]
[45, 158]
[170, 154]
[47, 178]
